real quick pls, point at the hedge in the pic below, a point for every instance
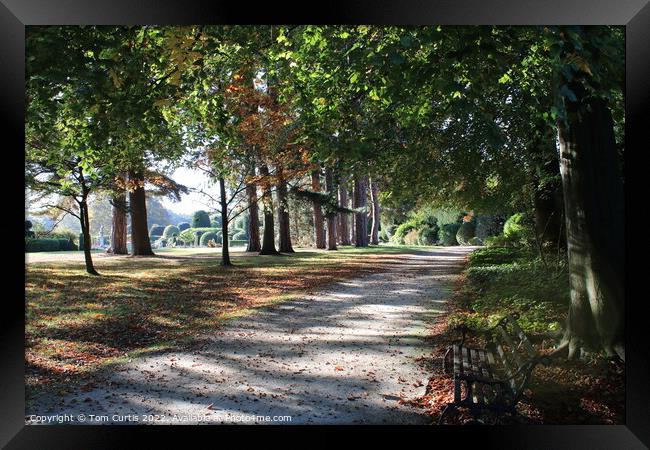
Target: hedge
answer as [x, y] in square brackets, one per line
[42, 245]
[238, 242]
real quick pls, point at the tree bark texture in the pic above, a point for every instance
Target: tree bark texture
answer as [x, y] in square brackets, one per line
[374, 192]
[319, 230]
[331, 218]
[138, 209]
[360, 218]
[593, 201]
[344, 221]
[268, 238]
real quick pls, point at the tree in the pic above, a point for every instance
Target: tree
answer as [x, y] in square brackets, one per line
[118, 223]
[344, 223]
[200, 219]
[374, 193]
[319, 231]
[361, 217]
[331, 216]
[590, 62]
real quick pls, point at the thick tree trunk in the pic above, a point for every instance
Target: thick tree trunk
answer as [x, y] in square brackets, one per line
[283, 215]
[268, 238]
[225, 253]
[319, 230]
[331, 218]
[344, 222]
[374, 192]
[360, 218]
[138, 208]
[118, 224]
[254, 220]
[85, 229]
[593, 201]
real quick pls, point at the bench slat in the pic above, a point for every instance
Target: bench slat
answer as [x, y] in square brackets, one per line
[507, 366]
[457, 369]
[513, 349]
[467, 369]
[485, 356]
[523, 338]
[481, 389]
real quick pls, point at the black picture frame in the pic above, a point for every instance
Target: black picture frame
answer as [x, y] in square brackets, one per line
[16, 14]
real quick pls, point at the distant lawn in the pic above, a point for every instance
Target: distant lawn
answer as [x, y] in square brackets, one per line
[77, 323]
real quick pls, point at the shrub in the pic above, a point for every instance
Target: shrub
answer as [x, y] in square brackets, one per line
[171, 230]
[466, 232]
[518, 229]
[494, 256]
[428, 235]
[200, 219]
[475, 241]
[183, 226]
[156, 230]
[28, 229]
[187, 236]
[487, 226]
[66, 244]
[411, 237]
[383, 236]
[497, 241]
[240, 236]
[448, 234]
[205, 237]
[403, 229]
[42, 245]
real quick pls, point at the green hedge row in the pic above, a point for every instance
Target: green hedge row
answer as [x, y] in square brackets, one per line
[49, 245]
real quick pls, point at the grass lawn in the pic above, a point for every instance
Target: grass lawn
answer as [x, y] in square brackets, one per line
[77, 324]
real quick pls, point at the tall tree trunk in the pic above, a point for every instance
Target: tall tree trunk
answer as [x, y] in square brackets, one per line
[331, 217]
[268, 238]
[344, 222]
[254, 220]
[319, 231]
[138, 208]
[374, 192]
[225, 253]
[361, 218]
[85, 229]
[283, 214]
[593, 202]
[118, 223]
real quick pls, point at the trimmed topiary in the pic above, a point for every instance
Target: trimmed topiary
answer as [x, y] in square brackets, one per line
[428, 235]
[475, 241]
[42, 245]
[156, 230]
[205, 237]
[183, 226]
[171, 230]
[411, 237]
[466, 232]
[518, 229]
[240, 236]
[448, 234]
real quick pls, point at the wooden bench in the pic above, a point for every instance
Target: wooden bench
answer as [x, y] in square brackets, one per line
[491, 378]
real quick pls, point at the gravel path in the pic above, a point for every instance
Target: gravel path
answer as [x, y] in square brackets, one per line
[344, 355]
